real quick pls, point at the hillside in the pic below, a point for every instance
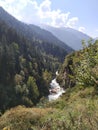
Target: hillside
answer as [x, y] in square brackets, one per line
[80, 68]
[21, 70]
[77, 109]
[35, 34]
[28, 56]
[69, 36]
[27, 62]
[48, 74]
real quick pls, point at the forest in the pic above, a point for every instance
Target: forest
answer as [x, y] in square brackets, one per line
[77, 109]
[25, 72]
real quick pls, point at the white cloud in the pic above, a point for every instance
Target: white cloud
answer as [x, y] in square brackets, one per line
[96, 30]
[72, 22]
[52, 17]
[82, 29]
[14, 7]
[45, 6]
[31, 12]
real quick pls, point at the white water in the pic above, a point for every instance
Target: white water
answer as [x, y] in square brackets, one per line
[55, 90]
[54, 84]
[55, 96]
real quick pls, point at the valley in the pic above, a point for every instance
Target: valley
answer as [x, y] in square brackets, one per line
[48, 76]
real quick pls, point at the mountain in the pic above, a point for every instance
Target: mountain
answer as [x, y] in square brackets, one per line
[33, 32]
[71, 37]
[29, 56]
[96, 38]
[26, 69]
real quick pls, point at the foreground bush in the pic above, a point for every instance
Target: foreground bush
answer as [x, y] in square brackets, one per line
[76, 110]
[21, 118]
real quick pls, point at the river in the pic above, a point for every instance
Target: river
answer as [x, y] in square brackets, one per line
[55, 90]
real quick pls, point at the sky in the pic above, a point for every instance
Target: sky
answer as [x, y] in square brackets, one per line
[81, 15]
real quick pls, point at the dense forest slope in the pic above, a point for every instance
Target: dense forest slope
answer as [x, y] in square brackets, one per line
[77, 109]
[21, 70]
[28, 58]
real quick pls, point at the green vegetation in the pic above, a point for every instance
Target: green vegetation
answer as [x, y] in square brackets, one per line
[26, 68]
[21, 118]
[77, 109]
[29, 56]
[80, 68]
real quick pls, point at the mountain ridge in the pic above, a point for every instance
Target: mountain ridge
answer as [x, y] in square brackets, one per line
[68, 35]
[31, 31]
